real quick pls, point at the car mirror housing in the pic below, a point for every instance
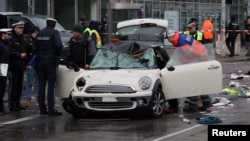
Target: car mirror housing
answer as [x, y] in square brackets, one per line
[171, 68]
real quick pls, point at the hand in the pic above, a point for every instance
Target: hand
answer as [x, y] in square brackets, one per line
[23, 55]
[28, 66]
[86, 66]
[9, 74]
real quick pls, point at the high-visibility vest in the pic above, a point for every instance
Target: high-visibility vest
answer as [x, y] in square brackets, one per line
[197, 36]
[98, 37]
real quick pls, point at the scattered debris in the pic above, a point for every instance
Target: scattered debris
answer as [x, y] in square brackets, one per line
[185, 120]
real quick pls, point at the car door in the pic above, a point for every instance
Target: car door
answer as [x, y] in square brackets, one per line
[192, 79]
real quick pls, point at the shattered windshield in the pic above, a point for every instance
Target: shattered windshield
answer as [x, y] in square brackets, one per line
[107, 59]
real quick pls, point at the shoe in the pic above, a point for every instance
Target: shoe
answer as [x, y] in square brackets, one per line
[43, 113]
[28, 103]
[230, 55]
[204, 107]
[189, 110]
[21, 107]
[247, 54]
[56, 113]
[3, 113]
[13, 109]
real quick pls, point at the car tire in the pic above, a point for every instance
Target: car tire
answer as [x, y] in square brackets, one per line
[70, 107]
[157, 104]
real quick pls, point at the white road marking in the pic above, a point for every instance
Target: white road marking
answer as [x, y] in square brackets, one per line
[19, 120]
[176, 133]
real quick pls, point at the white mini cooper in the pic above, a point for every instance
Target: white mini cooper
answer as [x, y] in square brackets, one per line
[136, 74]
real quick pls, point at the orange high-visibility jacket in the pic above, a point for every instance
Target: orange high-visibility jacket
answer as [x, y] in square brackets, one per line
[208, 29]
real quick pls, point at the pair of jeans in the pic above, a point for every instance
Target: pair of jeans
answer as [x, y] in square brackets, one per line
[32, 81]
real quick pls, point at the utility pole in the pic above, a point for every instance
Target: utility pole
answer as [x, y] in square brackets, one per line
[223, 29]
[248, 8]
[48, 8]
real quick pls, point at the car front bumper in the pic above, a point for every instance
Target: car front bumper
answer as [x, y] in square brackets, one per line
[113, 102]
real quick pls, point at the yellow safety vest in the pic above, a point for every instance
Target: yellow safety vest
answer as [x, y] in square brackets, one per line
[98, 37]
[198, 36]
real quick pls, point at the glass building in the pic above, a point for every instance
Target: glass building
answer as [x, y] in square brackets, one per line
[67, 12]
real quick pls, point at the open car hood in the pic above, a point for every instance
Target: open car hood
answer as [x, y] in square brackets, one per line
[142, 29]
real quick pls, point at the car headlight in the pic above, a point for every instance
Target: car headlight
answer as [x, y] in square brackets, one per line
[80, 83]
[145, 83]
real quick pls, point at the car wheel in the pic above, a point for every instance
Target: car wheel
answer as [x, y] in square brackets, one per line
[157, 104]
[70, 107]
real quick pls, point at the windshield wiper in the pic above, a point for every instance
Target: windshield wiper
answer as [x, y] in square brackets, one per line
[114, 68]
[143, 61]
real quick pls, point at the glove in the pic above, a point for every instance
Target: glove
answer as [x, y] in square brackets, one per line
[70, 65]
[76, 68]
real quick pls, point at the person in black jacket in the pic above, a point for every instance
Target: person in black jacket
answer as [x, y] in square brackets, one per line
[17, 66]
[31, 74]
[4, 59]
[231, 36]
[81, 50]
[49, 46]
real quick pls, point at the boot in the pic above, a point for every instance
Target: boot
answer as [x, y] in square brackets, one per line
[28, 103]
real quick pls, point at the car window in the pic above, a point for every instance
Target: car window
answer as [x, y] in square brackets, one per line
[187, 55]
[111, 59]
[3, 22]
[144, 32]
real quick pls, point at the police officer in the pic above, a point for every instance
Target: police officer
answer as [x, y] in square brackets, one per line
[49, 46]
[5, 34]
[197, 35]
[17, 66]
[231, 36]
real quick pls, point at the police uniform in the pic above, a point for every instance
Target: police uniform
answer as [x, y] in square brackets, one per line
[49, 46]
[17, 66]
[232, 35]
[4, 59]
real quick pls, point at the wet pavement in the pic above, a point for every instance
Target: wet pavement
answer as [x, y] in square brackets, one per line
[29, 125]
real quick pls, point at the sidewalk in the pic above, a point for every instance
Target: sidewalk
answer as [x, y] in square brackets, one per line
[240, 57]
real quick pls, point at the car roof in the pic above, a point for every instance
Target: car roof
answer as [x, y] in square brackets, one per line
[35, 15]
[11, 13]
[158, 22]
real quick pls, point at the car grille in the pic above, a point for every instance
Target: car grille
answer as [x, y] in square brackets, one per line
[110, 105]
[110, 89]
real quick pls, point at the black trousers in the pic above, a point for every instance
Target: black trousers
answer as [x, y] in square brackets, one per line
[3, 81]
[47, 74]
[16, 86]
[231, 45]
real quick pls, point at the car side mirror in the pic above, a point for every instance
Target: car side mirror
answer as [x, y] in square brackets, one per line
[171, 68]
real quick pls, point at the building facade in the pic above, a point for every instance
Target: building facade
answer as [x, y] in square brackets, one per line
[67, 12]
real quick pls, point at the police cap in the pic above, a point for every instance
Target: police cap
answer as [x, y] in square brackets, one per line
[170, 33]
[191, 24]
[5, 30]
[51, 19]
[18, 24]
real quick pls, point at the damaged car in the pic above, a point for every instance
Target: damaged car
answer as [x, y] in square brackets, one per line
[135, 74]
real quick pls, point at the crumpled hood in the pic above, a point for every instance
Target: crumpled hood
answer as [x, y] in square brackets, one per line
[114, 77]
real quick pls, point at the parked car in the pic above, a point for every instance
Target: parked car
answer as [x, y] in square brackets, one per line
[135, 74]
[8, 18]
